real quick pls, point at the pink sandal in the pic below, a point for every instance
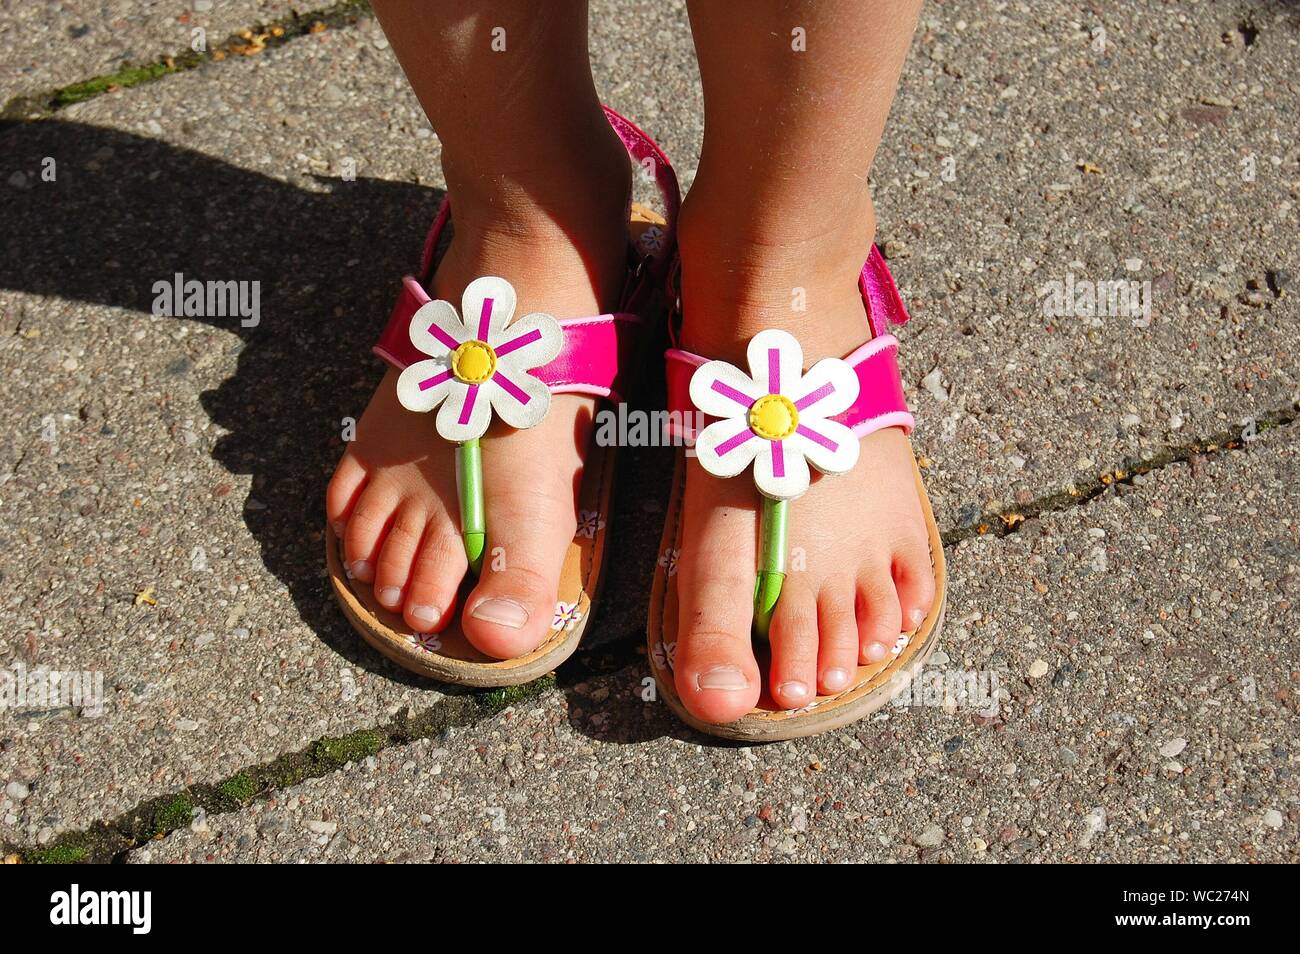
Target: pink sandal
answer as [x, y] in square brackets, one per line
[481, 361]
[781, 419]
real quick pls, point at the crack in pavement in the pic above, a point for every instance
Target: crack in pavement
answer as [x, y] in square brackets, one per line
[999, 523]
[246, 42]
[112, 840]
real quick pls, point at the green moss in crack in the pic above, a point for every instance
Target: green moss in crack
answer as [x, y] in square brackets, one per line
[173, 813]
[67, 853]
[124, 78]
[506, 696]
[238, 789]
[335, 752]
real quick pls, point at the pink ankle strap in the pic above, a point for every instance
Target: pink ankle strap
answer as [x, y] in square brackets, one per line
[599, 353]
[645, 152]
[596, 350]
[881, 402]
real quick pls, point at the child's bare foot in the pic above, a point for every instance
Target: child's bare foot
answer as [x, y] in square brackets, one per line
[859, 571]
[393, 497]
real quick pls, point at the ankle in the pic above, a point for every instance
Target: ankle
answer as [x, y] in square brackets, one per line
[743, 271]
[565, 217]
[576, 180]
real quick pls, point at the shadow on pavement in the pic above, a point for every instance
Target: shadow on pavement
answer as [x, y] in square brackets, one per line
[126, 211]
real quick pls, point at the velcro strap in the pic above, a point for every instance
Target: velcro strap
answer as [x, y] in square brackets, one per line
[651, 162]
[881, 402]
[880, 295]
[598, 356]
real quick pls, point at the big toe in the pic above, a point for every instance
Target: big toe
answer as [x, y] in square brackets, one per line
[715, 672]
[510, 611]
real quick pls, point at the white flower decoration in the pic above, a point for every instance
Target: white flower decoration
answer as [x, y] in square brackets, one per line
[480, 364]
[588, 523]
[775, 416]
[429, 642]
[665, 654]
[668, 560]
[567, 616]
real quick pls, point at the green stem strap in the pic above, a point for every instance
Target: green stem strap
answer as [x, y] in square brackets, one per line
[771, 563]
[469, 488]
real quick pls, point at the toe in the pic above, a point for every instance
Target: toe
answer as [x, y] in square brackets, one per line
[367, 526]
[510, 611]
[879, 617]
[793, 636]
[914, 583]
[837, 647]
[715, 672]
[344, 488]
[439, 567]
[393, 568]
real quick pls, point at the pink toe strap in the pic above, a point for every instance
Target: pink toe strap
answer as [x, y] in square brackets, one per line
[881, 402]
[596, 350]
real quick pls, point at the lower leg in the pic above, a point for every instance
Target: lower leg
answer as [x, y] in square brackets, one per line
[795, 99]
[773, 234]
[526, 149]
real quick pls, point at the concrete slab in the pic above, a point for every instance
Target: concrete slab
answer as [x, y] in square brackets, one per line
[44, 46]
[176, 460]
[1036, 143]
[1137, 653]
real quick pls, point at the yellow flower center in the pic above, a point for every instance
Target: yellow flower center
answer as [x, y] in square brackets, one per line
[773, 417]
[473, 362]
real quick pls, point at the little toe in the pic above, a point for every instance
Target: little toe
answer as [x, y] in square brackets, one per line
[914, 583]
[342, 492]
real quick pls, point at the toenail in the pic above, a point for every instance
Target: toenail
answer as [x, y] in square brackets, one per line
[835, 679]
[876, 652]
[722, 677]
[390, 595]
[792, 690]
[338, 528]
[502, 612]
[917, 616]
[359, 569]
[426, 614]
